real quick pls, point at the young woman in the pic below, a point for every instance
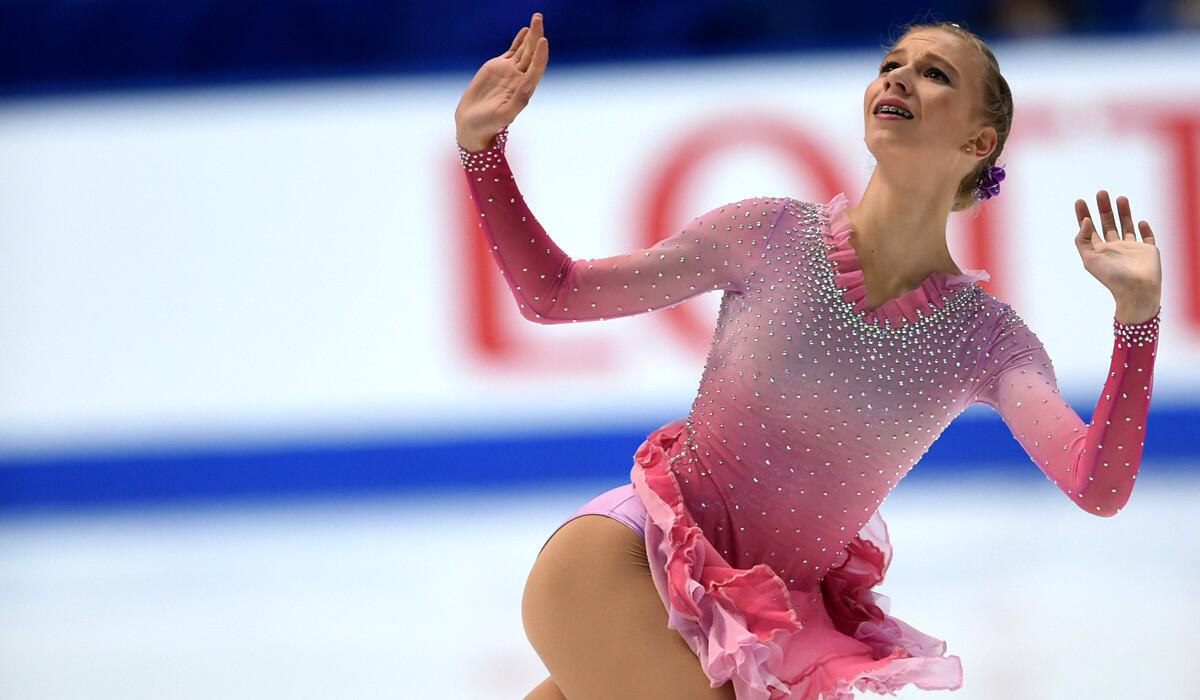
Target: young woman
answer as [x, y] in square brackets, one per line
[739, 560]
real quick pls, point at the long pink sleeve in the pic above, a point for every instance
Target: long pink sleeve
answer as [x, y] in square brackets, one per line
[717, 250]
[1095, 464]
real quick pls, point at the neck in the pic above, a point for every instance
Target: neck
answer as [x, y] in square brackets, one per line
[900, 231]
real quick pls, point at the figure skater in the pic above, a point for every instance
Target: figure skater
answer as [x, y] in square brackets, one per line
[749, 537]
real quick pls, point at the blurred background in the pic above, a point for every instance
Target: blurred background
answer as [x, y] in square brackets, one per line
[272, 426]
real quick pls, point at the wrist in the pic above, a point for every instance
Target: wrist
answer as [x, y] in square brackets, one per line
[491, 155]
[474, 142]
[1135, 311]
[1136, 303]
[471, 144]
[1137, 334]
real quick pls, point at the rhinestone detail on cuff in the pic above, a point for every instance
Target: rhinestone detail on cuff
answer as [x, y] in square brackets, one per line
[1138, 334]
[490, 157]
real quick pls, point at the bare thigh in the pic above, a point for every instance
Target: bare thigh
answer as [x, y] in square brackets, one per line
[593, 615]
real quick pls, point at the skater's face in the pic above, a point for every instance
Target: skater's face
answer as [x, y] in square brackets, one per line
[938, 78]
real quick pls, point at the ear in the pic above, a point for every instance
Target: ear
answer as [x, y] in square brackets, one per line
[985, 141]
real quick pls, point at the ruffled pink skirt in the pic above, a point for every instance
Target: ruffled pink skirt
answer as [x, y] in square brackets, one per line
[745, 625]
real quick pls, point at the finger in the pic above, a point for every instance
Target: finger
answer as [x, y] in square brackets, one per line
[1082, 235]
[532, 39]
[1085, 237]
[1095, 237]
[518, 42]
[1147, 234]
[512, 50]
[1081, 211]
[540, 57]
[1108, 222]
[1128, 233]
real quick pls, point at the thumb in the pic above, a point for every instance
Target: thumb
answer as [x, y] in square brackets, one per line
[1087, 236]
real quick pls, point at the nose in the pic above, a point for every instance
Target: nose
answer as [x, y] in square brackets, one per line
[892, 78]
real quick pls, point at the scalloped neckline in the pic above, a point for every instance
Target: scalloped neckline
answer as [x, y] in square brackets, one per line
[909, 307]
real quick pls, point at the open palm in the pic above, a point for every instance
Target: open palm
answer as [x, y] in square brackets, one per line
[1128, 267]
[502, 87]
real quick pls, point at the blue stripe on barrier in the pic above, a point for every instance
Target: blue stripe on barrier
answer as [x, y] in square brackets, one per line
[68, 482]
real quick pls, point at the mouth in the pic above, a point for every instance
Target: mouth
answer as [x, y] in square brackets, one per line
[891, 111]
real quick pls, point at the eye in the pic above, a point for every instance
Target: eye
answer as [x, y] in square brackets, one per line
[944, 78]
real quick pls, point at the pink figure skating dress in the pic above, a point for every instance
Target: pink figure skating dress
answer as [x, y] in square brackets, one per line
[762, 528]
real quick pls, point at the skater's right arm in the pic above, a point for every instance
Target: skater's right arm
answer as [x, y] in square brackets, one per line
[714, 251]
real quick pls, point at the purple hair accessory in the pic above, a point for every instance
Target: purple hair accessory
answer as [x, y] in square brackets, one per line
[989, 182]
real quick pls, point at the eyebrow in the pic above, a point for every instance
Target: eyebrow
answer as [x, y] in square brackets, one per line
[931, 54]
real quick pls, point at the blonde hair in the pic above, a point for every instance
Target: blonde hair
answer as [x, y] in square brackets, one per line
[996, 105]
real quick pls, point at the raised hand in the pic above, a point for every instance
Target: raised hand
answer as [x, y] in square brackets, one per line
[1131, 269]
[502, 87]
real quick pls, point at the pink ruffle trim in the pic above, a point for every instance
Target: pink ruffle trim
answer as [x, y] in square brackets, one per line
[773, 643]
[848, 275]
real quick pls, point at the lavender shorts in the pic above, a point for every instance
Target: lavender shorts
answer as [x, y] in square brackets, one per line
[620, 503]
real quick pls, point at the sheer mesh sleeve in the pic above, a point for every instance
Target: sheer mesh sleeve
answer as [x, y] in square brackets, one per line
[716, 250]
[1095, 464]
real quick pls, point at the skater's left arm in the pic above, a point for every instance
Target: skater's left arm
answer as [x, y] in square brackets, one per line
[1095, 464]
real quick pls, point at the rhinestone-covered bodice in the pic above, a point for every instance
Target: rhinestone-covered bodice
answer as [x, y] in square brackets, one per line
[807, 413]
[811, 408]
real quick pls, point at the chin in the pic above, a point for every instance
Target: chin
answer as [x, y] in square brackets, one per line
[888, 145]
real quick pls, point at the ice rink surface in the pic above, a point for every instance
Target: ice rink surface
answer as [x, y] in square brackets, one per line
[411, 597]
